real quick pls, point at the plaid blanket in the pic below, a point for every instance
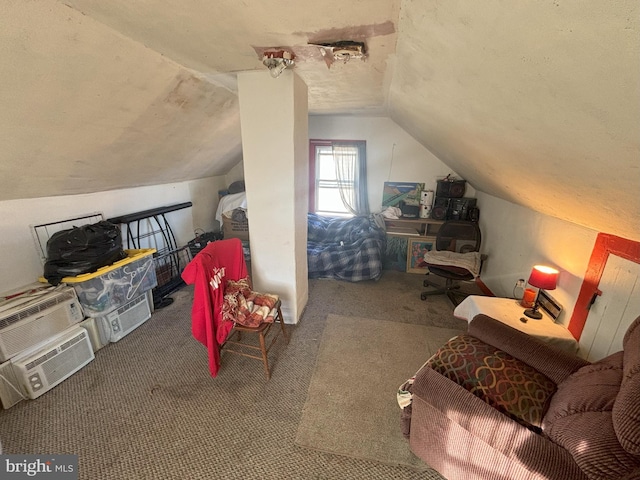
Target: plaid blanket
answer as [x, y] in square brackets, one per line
[348, 249]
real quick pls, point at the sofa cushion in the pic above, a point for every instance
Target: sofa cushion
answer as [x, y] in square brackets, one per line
[591, 440]
[504, 382]
[592, 388]
[626, 409]
[579, 419]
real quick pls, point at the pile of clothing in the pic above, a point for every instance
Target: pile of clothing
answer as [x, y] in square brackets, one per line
[244, 306]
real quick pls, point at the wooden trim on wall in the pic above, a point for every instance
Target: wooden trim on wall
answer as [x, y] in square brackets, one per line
[482, 286]
[605, 245]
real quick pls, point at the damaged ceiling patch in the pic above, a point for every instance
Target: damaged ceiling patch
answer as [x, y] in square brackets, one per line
[356, 32]
[329, 52]
[277, 60]
[342, 51]
[328, 44]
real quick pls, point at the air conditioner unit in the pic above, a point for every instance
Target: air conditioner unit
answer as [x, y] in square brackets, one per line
[46, 365]
[124, 320]
[36, 315]
[10, 386]
[97, 335]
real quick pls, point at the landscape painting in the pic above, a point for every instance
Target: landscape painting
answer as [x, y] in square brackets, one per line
[396, 192]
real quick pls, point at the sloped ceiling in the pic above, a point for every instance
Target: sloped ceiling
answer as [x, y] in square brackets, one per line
[537, 103]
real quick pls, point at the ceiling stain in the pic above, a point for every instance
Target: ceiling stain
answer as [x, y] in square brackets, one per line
[260, 50]
[301, 52]
[356, 32]
[184, 92]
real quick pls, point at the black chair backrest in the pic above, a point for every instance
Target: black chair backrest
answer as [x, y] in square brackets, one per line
[459, 236]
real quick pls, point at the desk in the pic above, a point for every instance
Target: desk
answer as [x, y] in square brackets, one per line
[424, 227]
[509, 311]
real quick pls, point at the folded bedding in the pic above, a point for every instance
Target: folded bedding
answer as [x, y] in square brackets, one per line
[465, 262]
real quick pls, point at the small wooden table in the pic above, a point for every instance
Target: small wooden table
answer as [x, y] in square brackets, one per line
[424, 227]
[509, 311]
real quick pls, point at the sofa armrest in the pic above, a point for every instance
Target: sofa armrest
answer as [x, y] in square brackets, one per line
[554, 363]
[462, 436]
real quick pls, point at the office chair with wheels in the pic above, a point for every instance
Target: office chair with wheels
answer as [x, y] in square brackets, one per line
[456, 258]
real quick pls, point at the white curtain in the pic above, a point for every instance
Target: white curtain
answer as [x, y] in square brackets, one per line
[350, 161]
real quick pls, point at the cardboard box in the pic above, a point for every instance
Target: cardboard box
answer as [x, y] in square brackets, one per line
[235, 229]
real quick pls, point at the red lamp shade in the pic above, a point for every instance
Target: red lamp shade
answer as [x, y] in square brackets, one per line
[543, 277]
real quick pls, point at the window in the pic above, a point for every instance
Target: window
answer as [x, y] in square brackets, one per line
[335, 177]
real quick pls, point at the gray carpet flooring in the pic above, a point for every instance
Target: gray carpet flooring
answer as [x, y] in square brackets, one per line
[351, 407]
[146, 407]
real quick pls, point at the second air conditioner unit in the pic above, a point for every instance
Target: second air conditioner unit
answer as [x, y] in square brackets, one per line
[46, 365]
[36, 315]
[122, 321]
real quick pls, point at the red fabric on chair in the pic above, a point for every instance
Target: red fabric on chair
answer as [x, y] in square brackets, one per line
[208, 272]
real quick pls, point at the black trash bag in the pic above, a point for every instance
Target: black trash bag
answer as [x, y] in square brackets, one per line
[81, 250]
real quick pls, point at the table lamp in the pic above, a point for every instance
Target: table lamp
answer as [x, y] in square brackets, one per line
[541, 277]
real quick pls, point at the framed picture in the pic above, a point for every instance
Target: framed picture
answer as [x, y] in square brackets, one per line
[415, 253]
[395, 257]
[549, 305]
[395, 193]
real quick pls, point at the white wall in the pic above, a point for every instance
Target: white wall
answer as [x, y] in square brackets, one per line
[204, 193]
[516, 238]
[273, 117]
[392, 154]
[19, 256]
[235, 174]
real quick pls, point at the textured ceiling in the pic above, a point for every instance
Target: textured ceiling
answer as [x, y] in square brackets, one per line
[537, 103]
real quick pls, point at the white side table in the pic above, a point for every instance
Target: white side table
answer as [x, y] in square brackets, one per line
[509, 311]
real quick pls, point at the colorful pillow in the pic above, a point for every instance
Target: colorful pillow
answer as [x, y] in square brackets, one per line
[504, 382]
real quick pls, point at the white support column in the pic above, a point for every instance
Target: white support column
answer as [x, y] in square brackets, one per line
[275, 139]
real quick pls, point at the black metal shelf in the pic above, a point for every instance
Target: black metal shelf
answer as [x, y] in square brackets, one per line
[169, 259]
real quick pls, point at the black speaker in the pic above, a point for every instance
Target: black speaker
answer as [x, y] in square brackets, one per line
[409, 211]
[474, 214]
[451, 188]
[440, 208]
[460, 208]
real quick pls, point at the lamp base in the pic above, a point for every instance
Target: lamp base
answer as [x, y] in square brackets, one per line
[533, 313]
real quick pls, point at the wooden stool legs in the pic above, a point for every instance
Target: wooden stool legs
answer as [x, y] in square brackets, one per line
[280, 319]
[262, 330]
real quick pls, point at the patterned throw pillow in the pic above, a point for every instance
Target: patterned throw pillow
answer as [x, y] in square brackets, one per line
[245, 307]
[504, 382]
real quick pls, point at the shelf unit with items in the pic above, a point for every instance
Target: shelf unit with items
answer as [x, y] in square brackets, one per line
[151, 229]
[423, 227]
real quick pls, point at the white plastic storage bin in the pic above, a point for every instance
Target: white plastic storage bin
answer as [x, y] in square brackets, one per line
[113, 286]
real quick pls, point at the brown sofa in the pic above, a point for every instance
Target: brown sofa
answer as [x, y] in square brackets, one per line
[498, 404]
